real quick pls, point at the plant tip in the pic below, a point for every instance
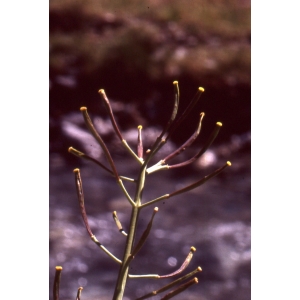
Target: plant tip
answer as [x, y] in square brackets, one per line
[199, 269]
[229, 163]
[76, 170]
[58, 268]
[101, 91]
[219, 124]
[201, 89]
[193, 249]
[83, 108]
[175, 82]
[140, 127]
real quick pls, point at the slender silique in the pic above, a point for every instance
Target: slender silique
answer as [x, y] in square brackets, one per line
[132, 247]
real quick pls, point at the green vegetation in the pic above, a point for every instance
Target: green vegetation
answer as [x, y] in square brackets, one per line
[161, 39]
[224, 17]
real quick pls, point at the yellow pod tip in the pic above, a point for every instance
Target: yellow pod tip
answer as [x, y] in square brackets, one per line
[58, 268]
[228, 163]
[201, 89]
[101, 91]
[156, 209]
[219, 124]
[193, 249]
[175, 82]
[76, 170]
[83, 108]
[80, 288]
[199, 269]
[70, 149]
[140, 127]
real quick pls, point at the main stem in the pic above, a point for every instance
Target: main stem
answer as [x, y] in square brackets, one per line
[123, 272]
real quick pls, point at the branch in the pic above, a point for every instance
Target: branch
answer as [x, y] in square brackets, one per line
[188, 143]
[58, 270]
[144, 235]
[204, 148]
[120, 182]
[115, 126]
[160, 141]
[170, 285]
[161, 164]
[80, 195]
[79, 293]
[87, 157]
[110, 112]
[180, 289]
[183, 266]
[186, 112]
[175, 109]
[118, 223]
[140, 149]
[92, 129]
[201, 181]
[189, 187]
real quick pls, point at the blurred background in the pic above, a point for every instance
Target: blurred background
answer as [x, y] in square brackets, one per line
[135, 50]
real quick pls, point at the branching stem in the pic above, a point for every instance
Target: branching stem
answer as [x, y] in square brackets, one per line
[136, 203]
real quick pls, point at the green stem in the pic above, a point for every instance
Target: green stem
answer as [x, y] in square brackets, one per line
[123, 272]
